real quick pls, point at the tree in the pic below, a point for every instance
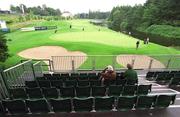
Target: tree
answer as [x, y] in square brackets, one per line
[3, 48]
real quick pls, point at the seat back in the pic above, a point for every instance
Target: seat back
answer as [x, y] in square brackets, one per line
[104, 103]
[83, 91]
[83, 83]
[164, 100]
[38, 106]
[83, 104]
[126, 102]
[15, 106]
[83, 76]
[67, 91]
[70, 83]
[129, 89]
[50, 92]
[43, 83]
[98, 91]
[34, 92]
[18, 93]
[143, 89]
[31, 84]
[145, 102]
[115, 90]
[61, 105]
[95, 82]
[57, 83]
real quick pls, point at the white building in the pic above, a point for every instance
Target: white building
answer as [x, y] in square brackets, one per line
[67, 14]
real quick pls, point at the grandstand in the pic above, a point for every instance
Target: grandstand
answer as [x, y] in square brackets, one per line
[34, 89]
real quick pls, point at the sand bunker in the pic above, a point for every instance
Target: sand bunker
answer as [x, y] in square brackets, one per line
[140, 61]
[51, 52]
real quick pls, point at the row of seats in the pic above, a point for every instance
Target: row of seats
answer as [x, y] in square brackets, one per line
[112, 90]
[85, 104]
[74, 83]
[80, 76]
[172, 78]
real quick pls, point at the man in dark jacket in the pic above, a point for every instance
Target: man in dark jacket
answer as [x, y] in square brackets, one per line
[130, 74]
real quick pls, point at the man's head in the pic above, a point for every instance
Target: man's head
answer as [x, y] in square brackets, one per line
[129, 66]
[109, 68]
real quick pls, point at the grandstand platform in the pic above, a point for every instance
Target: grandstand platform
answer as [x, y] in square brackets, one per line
[165, 103]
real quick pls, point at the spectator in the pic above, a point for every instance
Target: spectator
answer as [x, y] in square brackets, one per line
[83, 29]
[147, 40]
[70, 26]
[55, 31]
[108, 75]
[137, 45]
[130, 74]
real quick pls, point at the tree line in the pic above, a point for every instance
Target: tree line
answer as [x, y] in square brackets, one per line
[140, 17]
[41, 11]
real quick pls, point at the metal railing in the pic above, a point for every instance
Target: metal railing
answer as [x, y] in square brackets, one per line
[17, 75]
[98, 62]
[3, 90]
[38, 69]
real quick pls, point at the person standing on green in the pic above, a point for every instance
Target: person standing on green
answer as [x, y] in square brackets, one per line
[130, 74]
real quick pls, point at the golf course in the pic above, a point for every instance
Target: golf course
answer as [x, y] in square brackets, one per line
[94, 40]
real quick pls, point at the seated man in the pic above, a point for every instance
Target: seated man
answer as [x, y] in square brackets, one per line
[108, 75]
[130, 74]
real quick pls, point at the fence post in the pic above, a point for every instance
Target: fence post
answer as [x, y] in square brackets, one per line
[133, 61]
[33, 71]
[113, 62]
[93, 64]
[168, 63]
[150, 64]
[5, 83]
[73, 67]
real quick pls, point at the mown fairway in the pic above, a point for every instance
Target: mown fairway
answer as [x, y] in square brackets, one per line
[90, 41]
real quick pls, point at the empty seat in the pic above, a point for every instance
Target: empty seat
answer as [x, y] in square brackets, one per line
[57, 83]
[83, 91]
[67, 91]
[126, 102]
[15, 106]
[83, 104]
[115, 90]
[43, 83]
[95, 82]
[83, 76]
[83, 83]
[50, 92]
[18, 93]
[65, 76]
[104, 103]
[93, 76]
[47, 75]
[31, 84]
[34, 92]
[75, 75]
[41, 78]
[98, 91]
[143, 89]
[150, 74]
[38, 106]
[70, 83]
[164, 100]
[174, 81]
[61, 105]
[56, 76]
[145, 102]
[121, 82]
[129, 89]
[161, 76]
[2, 110]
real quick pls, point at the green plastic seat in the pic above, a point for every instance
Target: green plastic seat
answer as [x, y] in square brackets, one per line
[67, 92]
[144, 89]
[95, 82]
[115, 90]
[126, 102]
[70, 83]
[121, 82]
[98, 91]
[129, 90]
[50, 92]
[83, 104]
[104, 103]
[43, 83]
[61, 105]
[164, 101]
[57, 83]
[31, 84]
[34, 92]
[145, 102]
[18, 93]
[83, 83]
[83, 91]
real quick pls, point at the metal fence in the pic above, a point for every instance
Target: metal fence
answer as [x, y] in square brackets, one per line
[17, 75]
[3, 90]
[38, 69]
[98, 62]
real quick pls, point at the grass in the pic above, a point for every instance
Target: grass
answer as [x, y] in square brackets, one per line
[91, 41]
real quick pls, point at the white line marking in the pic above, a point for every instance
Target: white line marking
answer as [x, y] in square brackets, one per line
[174, 106]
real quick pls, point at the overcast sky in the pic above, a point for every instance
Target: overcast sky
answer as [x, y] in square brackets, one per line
[74, 6]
